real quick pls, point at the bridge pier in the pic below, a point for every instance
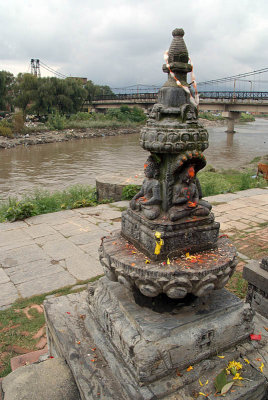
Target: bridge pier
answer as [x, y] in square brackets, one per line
[231, 116]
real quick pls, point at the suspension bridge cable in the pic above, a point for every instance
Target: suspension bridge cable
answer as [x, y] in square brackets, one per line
[230, 78]
[43, 65]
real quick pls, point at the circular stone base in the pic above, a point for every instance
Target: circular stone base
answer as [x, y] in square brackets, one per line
[197, 273]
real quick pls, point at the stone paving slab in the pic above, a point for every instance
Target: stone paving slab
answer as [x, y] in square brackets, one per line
[49, 251]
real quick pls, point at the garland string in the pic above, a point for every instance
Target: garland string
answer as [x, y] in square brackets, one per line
[195, 100]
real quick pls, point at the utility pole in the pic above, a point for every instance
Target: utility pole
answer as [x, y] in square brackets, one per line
[35, 67]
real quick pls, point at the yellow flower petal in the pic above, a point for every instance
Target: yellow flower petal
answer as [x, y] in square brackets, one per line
[203, 394]
[261, 367]
[189, 368]
[221, 356]
[237, 376]
[200, 383]
[246, 360]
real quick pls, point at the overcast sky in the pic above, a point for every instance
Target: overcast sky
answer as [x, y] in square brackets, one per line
[121, 42]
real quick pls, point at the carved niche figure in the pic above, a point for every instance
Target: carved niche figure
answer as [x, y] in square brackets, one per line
[186, 199]
[148, 199]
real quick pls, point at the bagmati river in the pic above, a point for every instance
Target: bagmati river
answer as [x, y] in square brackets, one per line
[58, 165]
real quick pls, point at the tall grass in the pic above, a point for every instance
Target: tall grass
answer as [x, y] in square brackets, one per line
[213, 183]
[43, 202]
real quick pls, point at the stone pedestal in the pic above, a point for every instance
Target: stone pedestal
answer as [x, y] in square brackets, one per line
[188, 234]
[256, 273]
[120, 350]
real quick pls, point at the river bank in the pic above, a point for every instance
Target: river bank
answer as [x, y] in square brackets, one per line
[65, 135]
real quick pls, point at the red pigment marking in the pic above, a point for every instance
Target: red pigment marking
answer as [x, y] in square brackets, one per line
[191, 172]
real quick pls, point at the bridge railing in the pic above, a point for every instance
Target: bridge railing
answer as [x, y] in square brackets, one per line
[230, 95]
[233, 95]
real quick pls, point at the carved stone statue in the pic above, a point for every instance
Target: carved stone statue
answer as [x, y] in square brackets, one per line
[186, 200]
[148, 199]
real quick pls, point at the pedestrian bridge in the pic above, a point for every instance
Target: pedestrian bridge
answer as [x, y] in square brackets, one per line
[230, 103]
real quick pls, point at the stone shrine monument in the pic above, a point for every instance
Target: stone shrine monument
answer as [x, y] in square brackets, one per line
[161, 306]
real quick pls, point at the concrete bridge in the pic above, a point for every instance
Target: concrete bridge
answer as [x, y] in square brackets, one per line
[230, 103]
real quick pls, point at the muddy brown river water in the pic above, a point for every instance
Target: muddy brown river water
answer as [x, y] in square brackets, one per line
[58, 165]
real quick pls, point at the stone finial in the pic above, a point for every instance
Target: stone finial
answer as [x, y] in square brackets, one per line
[178, 51]
[178, 32]
[178, 58]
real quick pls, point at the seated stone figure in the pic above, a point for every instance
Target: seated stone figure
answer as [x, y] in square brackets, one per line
[186, 201]
[148, 199]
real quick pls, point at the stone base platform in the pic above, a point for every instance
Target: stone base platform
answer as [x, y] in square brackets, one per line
[119, 350]
[198, 274]
[256, 273]
[188, 234]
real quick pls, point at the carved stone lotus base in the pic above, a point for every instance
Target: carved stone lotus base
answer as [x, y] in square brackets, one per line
[190, 234]
[199, 273]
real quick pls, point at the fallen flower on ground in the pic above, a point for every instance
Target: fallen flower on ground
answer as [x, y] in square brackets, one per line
[237, 376]
[255, 337]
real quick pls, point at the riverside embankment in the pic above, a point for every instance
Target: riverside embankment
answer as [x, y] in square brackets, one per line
[56, 166]
[54, 136]
[44, 137]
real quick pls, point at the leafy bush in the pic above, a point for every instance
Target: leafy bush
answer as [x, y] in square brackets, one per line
[83, 116]
[244, 117]
[125, 113]
[57, 121]
[20, 211]
[5, 131]
[129, 191]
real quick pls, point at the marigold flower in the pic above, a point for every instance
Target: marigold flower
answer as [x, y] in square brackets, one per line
[237, 376]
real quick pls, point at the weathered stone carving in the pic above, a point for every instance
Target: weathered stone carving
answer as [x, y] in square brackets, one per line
[148, 199]
[198, 275]
[186, 199]
[169, 207]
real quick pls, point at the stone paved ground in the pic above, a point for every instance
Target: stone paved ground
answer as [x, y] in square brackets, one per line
[50, 251]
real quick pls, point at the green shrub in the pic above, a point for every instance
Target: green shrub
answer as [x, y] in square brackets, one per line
[5, 131]
[129, 191]
[83, 116]
[20, 211]
[57, 121]
[244, 117]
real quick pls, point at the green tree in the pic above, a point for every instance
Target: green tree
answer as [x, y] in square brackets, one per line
[6, 90]
[96, 90]
[25, 91]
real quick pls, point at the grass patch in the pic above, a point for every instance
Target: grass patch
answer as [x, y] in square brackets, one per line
[17, 330]
[230, 181]
[244, 117]
[237, 285]
[43, 202]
